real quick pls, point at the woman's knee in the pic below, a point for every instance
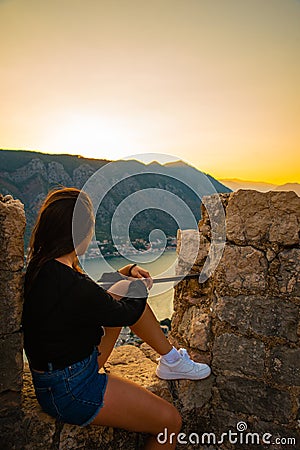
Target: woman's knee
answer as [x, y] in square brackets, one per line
[171, 419]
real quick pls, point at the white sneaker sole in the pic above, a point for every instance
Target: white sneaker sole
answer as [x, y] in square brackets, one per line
[183, 376]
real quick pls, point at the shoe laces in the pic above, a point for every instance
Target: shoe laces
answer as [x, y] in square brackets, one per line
[188, 360]
[184, 353]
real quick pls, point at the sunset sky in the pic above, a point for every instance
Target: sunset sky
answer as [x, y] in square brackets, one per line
[214, 82]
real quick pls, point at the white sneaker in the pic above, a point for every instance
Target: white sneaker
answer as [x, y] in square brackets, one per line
[185, 368]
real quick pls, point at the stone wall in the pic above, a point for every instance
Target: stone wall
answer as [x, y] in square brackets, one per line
[12, 225]
[244, 320]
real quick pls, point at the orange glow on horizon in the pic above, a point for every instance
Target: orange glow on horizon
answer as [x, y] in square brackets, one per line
[189, 80]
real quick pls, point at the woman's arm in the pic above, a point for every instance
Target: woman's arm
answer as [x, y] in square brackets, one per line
[119, 289]
[134, 271]
[126, 269]
[100, 306]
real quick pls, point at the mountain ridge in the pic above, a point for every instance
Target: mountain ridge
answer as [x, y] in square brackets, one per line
[236, 183]
[29, 175]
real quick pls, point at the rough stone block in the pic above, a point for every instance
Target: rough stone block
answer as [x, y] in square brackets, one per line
[149, 352]
[38, 431]
[265, 316]
[10, 402]
[91, 437]
[288, 276]
[242, 270]
[263, 218]
[279, 436]
[192, 249]
[223, 420]
[255, 434]
[213, 222]
[195, 328]
[199, 356]
[11, 438]
[223, 197]
[12, 226]
[11, 301]
[192, 395]
[285, 366]
[239, 355]
[254, 397]
[194, 291]
[11, 362]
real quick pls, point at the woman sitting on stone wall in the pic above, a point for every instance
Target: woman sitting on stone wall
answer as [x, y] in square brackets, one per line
[71, 325]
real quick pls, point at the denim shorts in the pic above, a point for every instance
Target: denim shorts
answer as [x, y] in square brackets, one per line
[74, 394]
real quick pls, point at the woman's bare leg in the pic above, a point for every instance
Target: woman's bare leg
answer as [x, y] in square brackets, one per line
[117, 291]
[131, 407]
[148, 329]
[107, 344]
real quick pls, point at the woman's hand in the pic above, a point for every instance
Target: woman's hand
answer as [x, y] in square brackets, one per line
[119, 290]
[139, 272]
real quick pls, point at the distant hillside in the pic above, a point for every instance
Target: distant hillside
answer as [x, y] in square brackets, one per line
[29, 175]
[236, 184]
[289, 187]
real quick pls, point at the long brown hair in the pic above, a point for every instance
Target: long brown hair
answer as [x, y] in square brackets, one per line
[52, 235]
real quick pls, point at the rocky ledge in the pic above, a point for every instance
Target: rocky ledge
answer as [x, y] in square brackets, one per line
[138, 364]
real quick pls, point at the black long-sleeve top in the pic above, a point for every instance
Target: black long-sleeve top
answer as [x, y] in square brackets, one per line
[65, 310]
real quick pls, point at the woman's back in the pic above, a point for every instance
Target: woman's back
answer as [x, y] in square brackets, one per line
[64, 312]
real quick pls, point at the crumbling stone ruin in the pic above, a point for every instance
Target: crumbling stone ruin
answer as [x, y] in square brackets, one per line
[244, 320]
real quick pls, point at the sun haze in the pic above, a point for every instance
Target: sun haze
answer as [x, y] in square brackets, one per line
[214, 83]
